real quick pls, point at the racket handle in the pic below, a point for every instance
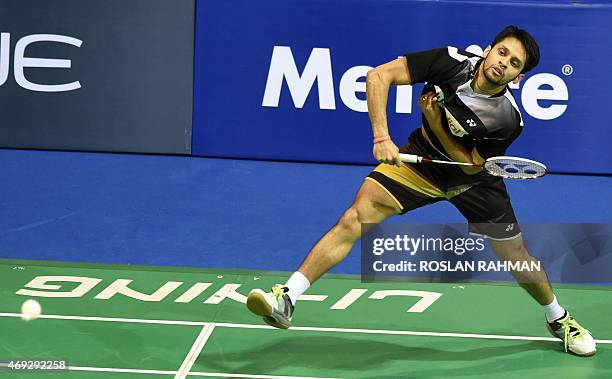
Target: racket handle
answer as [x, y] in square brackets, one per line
[410, 158]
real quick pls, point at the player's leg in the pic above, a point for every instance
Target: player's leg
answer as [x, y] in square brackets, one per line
[560, 323]
[388, 190]
[535, 282]
[488, 209]
[372, 205]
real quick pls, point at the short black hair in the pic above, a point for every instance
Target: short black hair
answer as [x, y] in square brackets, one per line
[530, 45]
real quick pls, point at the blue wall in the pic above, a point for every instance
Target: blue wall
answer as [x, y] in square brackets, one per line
[222, 213]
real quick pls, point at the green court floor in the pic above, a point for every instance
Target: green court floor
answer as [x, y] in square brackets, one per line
[110, 321]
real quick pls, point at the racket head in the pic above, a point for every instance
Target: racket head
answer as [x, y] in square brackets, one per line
[514, 167]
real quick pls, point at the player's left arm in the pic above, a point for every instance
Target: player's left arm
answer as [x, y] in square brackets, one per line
[456, 151]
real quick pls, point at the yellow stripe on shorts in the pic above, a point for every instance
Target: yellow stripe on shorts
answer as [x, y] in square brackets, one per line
[407, 177]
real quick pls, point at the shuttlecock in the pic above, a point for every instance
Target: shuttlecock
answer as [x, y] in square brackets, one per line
[30, 310]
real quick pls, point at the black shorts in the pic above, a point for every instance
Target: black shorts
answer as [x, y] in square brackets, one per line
[481, 198]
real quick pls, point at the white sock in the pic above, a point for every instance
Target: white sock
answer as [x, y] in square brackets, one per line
[553, 310]
[298, 284]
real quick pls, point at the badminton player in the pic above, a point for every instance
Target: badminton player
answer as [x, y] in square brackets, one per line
[469, 114]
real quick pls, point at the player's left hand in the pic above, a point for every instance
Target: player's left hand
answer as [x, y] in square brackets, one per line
[428, 102]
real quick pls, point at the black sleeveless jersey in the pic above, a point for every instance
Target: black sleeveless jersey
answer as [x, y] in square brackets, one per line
[489, 123]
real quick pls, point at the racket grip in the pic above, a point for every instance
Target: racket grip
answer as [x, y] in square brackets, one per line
[410, 158]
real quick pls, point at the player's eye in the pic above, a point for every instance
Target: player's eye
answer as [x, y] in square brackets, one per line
[502, 52]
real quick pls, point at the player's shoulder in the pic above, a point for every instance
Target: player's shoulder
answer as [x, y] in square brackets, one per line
[450, 53]
[462, 55]
[515, 112]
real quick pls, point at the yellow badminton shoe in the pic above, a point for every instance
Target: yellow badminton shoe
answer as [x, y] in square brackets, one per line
[576, 339]
[274, 307]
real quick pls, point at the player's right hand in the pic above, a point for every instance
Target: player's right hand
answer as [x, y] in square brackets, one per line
[387, 152]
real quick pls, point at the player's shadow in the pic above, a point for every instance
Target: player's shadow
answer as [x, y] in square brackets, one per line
[346, 353]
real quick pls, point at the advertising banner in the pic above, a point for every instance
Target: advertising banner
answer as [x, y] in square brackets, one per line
[97, 75]
[287, 80]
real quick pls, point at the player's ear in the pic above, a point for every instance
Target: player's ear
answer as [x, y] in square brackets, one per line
[486, 51]
[518, 78]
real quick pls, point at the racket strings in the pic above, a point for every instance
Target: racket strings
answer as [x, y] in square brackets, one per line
[514, 168]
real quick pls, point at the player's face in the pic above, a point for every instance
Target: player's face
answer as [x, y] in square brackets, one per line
[505, 61]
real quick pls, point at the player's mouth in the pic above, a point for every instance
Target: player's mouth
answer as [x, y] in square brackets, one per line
[497, 70]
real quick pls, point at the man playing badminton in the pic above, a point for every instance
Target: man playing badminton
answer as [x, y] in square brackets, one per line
[469, 114]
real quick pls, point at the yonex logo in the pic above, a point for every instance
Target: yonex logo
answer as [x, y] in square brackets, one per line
[513, 168]
[510, 227]
[471, 123]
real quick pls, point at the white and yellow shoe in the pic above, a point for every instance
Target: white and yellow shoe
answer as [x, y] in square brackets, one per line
[576, 339]
[274, 307]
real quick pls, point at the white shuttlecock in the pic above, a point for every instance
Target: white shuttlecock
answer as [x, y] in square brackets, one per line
[30, 310]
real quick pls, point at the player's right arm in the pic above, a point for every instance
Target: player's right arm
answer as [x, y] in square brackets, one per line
[378, 81]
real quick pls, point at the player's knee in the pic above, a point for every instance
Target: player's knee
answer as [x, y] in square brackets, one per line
[354, 217]
[514, 250]
[350, 220]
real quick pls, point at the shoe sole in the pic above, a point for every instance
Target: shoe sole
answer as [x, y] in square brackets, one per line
[272, 322]
[589, 354]
[257, 304]
[585, 355]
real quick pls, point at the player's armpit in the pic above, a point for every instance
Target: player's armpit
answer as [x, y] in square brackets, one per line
[476, 157]
[394, 72]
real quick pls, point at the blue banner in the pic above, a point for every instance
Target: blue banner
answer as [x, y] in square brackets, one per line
[287, 80]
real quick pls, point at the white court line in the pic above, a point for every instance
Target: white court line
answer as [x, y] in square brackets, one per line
[401, 332]
[302, 328]
[224, 375]
[126, 370]
[195, 351]
[113, 319]
[208, 374]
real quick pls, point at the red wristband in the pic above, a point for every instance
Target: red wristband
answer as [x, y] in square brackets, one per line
[381, 139]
